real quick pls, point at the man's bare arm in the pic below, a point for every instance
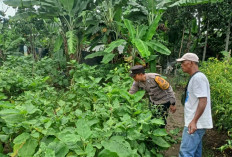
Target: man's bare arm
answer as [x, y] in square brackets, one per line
[200, 109]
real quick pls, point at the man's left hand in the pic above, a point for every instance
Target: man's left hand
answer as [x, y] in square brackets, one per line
[173, 108]
[192, 127]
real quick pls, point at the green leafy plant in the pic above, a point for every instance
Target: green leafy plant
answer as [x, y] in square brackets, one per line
[96, 116]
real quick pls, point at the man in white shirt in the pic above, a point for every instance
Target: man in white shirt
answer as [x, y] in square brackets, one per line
[197, 107]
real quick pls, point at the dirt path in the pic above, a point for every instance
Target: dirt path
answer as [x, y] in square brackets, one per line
[175, 121]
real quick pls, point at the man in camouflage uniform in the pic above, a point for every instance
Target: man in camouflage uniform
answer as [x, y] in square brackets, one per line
[160, 92]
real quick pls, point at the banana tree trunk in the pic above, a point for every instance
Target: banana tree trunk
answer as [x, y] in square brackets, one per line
[206, 41]
[228, 35]
[78, 52]
[65, 45]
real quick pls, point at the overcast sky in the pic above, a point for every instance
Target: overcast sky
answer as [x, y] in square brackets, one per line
[9, 11]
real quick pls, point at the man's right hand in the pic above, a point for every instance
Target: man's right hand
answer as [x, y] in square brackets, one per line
[173, 108]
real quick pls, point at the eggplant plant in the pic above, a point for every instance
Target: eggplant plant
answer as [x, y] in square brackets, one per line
[95, 116]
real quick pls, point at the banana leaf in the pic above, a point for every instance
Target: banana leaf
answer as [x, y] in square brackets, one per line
[152, 28]
[157, 46]
[72, 41]
[107, 58]
[130, 28]
[142, 47]
[113, 45]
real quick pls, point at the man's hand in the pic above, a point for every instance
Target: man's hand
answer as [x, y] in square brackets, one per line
[192, 127]
[173, 108]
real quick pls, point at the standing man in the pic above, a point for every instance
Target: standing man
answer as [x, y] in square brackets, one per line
[159, 91]
[197, 107]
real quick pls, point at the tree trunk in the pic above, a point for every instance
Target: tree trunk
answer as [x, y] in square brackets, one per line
[65, 45]
[32, 46]
[228, 35]
[206, 41]
[189, 41]
[182, 40]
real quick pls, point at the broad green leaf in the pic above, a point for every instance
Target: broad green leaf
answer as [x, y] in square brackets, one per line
[144, 117]
[21, 138]
[16, 148]
[68, 5]
[58, 43]
[142, 47]
[2, 96]
[61, 102]
[28, 149]
[60, 148]
[161, 4]
[107, 58]
[78, 7]
[107, 153]
[118, 14]
[93, 121]
[119, 146]
[72, 41]
[96, 54]
[69, 138]
[157, 121]
[142, 148]
[79, 151]
[90, 151]
[6, 104]
[152, 28]
[83, 128]
[160, 142]
[12, 118]
[141, 31]
[133, 134]
[113, 45]
[138, 96]
[20, 3]
[125, 94]
[151, 58]
[30, 109]
[157, 46]
[4, 138]
[160, 132]
[130, 28]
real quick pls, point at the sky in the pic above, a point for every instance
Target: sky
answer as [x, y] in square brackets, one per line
[9, 11]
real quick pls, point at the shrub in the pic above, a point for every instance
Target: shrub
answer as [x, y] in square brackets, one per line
[220, 78]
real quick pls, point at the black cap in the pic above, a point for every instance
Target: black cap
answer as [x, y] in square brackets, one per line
[137, 69]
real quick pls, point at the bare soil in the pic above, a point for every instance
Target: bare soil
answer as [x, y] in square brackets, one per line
[212, 140]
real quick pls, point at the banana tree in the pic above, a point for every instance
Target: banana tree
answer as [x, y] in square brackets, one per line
[67, 14]
[103, 22]
[141, 40]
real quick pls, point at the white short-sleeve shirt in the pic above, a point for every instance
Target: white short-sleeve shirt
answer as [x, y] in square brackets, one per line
[198, 87]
